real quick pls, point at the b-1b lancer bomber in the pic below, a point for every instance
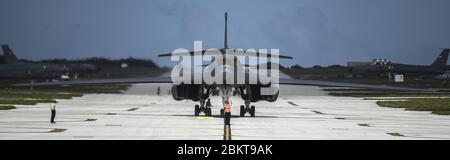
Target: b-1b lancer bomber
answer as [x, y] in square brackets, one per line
[249, 91]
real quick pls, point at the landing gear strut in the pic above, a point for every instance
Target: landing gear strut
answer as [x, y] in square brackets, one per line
[247, 109]
[202, 108]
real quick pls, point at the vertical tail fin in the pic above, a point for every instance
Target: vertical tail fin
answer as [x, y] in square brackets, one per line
[226, 35]
[441, 60]
[8, 55]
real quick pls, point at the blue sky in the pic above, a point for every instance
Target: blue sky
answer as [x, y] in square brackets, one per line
[320, 32]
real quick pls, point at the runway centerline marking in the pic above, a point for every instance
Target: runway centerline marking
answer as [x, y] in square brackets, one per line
[227, 132]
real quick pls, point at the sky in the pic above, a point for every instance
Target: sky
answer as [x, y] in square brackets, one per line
[314, 32]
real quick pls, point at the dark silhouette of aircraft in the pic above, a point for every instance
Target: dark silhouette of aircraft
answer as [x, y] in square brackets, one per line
[383, 67]
[13, 68]
[249, 92]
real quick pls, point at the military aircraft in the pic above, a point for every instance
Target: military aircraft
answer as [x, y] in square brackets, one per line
[13, 68]
[249, 92]
[384, 67]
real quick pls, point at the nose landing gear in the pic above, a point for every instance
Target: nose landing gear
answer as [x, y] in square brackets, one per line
[202, 108]
[247, 109]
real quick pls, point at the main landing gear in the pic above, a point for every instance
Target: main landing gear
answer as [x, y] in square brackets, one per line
[247, 109]
[202, 108]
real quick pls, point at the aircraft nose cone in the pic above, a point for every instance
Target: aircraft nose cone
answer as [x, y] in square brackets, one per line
[227, 71]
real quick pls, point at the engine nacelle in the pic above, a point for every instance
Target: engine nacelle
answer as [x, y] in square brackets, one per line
[253, 93]
[183, 91]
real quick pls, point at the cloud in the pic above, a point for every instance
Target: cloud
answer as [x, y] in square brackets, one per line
[313, 31]
[191, 17]
[306, 33]
[81, 27]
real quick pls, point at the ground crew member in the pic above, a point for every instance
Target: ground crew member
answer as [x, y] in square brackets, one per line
[227, 110]
[158, 90]
[53, 110]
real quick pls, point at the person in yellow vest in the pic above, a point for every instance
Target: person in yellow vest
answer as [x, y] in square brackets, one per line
[227, 114]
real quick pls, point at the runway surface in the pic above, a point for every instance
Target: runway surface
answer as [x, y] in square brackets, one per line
[301, 112]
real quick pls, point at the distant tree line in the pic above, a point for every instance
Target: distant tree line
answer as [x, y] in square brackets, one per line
[149, 63]
[298, 67]
[104, 61]
[98, 61]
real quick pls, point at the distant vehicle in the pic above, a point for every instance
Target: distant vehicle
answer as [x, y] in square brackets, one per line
[13, 68]
[384, 67]
[64, 77]
[124, 65]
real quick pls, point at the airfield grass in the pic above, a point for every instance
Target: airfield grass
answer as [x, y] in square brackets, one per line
[10, 96]
[65, 90]
[440, 106]
[436, 102]
[385, 81]
[26, 101]
[387, 94]
[355, 92]
[6, 107]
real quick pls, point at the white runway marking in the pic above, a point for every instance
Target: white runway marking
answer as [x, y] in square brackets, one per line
[295, 116]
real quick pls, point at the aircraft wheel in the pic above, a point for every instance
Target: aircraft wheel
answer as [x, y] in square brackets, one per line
[197, 110]
[252, 111]
[242, 113]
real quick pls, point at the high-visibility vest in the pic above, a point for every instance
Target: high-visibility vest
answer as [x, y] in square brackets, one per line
[227, 108]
